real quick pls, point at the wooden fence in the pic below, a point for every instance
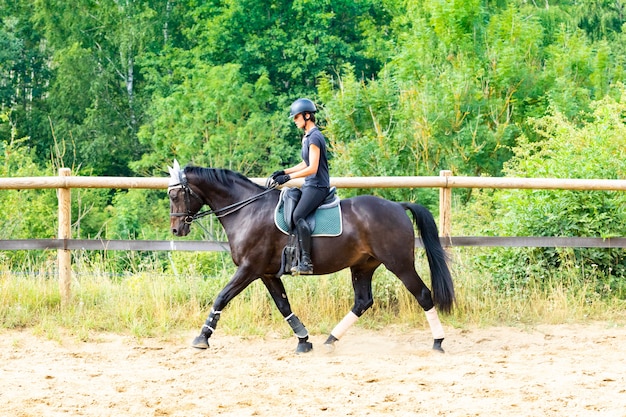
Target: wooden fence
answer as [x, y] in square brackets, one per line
[64, 182]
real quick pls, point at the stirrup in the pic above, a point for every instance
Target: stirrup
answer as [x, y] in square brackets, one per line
[296, 270]
[303, 268]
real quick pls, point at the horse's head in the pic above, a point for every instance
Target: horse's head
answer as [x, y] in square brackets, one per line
[184, 202]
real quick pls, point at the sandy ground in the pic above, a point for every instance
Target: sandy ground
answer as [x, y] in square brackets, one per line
[564, 370]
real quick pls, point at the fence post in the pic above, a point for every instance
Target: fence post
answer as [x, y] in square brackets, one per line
[63, 255]
[445, 207]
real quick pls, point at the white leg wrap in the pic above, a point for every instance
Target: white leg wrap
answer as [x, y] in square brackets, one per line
[343, 326]
[435, 324]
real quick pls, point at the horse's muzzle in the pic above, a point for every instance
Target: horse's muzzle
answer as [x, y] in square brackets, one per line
[180, 228]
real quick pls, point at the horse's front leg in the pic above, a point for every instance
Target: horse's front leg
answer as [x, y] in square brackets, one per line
[242, 278]
[276, 289]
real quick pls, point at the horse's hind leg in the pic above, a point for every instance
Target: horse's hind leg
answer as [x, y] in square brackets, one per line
[276, 289]
[422, 294]
[363, 300]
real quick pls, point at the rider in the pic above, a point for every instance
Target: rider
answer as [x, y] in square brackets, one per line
[314, 169]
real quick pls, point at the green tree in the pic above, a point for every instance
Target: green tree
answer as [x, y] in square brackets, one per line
[291, 42]
[462, 83]
[24, 74]
[600, 19]
[97, 95]
[215, 118]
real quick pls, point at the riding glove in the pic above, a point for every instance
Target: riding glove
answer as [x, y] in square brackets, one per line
[276, 174]
[281, 179]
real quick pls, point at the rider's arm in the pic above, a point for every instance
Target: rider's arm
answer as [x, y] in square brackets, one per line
[302, 170]
[299, 167]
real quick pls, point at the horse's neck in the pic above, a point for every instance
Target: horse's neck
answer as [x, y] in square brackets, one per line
[218, 194]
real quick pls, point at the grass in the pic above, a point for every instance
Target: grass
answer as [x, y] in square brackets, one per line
[153, 303]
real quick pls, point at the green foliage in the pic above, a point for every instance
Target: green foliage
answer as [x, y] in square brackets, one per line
[461, 87]
[364, 124]
[214, 118]
[600, 19]
[10, 49]
[128, 218]
[24, 75]
[592, 149]
[24, 213]
[97, 96]
[290, 42]
[430, 108]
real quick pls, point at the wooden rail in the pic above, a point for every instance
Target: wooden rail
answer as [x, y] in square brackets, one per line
[64, 182]
[445, 180]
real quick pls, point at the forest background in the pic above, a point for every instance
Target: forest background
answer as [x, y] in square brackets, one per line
[404, 87]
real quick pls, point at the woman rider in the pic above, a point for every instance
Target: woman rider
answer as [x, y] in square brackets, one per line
[314, 170]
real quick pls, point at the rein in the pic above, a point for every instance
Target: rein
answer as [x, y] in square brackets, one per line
[224, 211]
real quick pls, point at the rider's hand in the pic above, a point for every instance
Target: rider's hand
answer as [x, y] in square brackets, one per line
[276, 174]
[281, 179]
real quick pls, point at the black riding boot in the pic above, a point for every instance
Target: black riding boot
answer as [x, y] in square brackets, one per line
[305, 266]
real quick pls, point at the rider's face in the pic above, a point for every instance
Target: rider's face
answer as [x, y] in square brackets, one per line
[298, 119]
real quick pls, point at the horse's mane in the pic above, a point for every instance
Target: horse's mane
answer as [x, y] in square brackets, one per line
[224, 176]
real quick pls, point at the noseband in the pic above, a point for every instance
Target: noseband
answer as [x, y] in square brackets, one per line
[190, 217]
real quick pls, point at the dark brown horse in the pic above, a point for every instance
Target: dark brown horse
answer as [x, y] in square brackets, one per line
[375, 231]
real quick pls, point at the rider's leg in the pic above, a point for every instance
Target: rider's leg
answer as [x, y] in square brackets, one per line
[311, 198]
[305, 265]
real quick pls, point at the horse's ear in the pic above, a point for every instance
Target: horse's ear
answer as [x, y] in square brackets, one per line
[176, 166]
[174, 174]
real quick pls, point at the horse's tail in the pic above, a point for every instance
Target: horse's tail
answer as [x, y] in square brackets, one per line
[443, 288]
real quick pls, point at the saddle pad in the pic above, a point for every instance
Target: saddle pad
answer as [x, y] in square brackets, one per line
[327, 221]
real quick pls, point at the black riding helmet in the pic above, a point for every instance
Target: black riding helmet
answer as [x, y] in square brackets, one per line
[302, 105]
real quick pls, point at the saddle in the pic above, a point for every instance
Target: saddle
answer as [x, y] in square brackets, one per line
[324, 221]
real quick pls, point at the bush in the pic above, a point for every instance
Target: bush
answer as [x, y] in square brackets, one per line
[593, 149]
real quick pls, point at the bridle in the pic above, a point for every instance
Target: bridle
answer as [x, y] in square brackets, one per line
[224, 211]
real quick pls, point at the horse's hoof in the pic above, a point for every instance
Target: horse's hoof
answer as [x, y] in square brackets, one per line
[329, 344]
[200, 342]
[304, 347]
[437, 346]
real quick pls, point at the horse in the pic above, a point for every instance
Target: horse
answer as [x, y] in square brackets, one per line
[375, 231]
